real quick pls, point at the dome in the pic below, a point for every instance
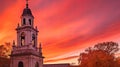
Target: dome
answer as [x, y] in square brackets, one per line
[27, 11]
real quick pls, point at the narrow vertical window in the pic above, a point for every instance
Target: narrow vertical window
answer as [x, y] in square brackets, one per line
[30, 22]
[33, 40]
[24, 21]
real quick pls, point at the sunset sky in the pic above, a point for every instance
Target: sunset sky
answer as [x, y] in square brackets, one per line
[66, 27]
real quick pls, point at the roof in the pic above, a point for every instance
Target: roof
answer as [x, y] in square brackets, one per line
[27, 11]
[56, 65]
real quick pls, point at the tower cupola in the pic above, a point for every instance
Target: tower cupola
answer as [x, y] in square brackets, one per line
[27, 17]
[27, 11]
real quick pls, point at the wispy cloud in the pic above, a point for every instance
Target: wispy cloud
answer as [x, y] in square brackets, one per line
[64, 25]
[61, 59]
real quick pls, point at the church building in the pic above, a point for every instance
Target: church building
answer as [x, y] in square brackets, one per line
[25, 52]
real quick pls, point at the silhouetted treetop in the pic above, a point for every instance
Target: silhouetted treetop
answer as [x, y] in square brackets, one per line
[5, 50]
[109, 47]
[101, 55]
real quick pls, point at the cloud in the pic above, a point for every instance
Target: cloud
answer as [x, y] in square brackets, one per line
[61, 59]
[64, 25]
[5, 4]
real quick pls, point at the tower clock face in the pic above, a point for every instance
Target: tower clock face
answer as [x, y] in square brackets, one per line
[33, 40]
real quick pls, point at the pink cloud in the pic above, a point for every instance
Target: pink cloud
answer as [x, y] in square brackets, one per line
[64, 25]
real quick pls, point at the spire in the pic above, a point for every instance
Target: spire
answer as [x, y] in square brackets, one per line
[26, 3]
[27, 10]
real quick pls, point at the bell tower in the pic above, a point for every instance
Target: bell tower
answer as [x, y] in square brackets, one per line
[26, 33]
[26, 52]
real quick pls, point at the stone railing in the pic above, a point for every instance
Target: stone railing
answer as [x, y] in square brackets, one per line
[24, 47]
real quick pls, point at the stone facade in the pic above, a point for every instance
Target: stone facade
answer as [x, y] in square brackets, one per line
[26, 53]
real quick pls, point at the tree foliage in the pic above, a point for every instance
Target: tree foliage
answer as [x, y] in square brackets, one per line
[5, 50]
[101, 55]
[109, 47]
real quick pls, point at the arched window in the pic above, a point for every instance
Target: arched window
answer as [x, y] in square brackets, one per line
[37, 64]
[20, 64]
[24, 21]
[30, 21]
[22, 38]
[33, 39]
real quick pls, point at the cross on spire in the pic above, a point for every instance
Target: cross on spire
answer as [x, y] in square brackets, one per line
[27, 3]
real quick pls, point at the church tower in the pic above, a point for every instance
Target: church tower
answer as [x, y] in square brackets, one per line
[26, 52]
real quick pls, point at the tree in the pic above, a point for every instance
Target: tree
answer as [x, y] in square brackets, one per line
[101, 55]
[109, 47]
[5, 50]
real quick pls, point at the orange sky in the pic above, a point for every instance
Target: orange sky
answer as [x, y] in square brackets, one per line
[66, 27]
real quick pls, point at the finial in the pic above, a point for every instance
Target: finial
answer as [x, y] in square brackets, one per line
[18, 25]
[40, 46]
[36, 27]
[13, 42]
[40, 50]
[26, 3]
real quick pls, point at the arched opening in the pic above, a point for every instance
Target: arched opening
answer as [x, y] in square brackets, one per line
[37, 64]
[22, 38]
[33, 40]
[24, 21]
[20, 64]
[30, 22]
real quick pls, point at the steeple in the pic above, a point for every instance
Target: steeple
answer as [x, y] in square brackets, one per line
[25, 52]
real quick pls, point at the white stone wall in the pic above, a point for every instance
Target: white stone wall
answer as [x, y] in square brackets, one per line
[28, 61]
